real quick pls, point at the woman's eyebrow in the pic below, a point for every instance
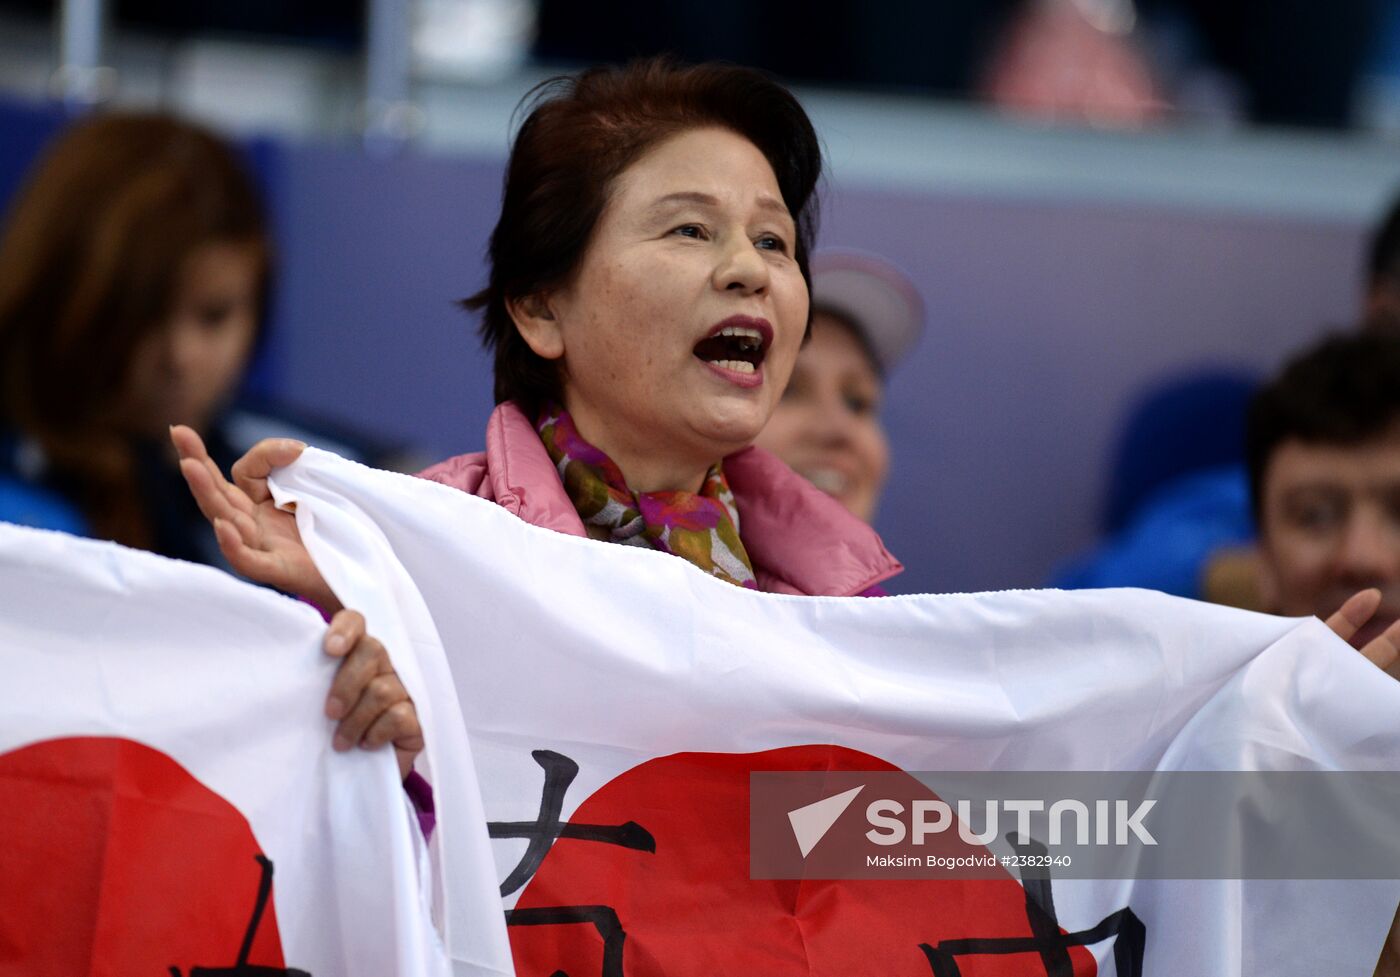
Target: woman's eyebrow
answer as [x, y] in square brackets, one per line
[702, 199]
[684, 197]
[766, 202]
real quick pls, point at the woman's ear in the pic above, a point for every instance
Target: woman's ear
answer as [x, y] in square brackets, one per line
[535, 319]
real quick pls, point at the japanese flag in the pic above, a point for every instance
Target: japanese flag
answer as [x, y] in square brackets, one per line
[617, 701]
[169, 801]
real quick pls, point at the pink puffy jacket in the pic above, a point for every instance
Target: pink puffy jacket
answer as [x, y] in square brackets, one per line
[800, 540]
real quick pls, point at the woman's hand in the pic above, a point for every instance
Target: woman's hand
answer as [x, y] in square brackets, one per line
[1351, 617]
[258, 539]
[366, 696]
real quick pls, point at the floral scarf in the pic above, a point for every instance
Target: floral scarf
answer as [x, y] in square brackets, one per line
[700, 527]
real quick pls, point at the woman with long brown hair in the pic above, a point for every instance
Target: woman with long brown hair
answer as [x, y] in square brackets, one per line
[133, 279]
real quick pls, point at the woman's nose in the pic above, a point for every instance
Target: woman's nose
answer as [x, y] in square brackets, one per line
[183, 348]
[742, 268]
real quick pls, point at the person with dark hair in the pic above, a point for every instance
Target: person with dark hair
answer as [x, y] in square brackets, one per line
[1323, 455]
[866, 315]
[1179, 518]
[647, 296]
[1322, 450]
[134, 275]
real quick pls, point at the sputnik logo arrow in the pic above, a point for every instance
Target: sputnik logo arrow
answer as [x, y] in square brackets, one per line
[811, 823]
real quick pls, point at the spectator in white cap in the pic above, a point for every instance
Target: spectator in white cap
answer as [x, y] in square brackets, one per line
[866, 315]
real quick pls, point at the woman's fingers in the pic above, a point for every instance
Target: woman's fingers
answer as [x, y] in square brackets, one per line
[398, 725]
[249, 530]
[216, 498]
[259, 540]
[1384, 651]
[188, 443]
[250, 472]
[256, 564]
[214, 494]
[344, 632]
[364, 659]
[210, 499]
[371, 704]
[1352, 616]
[366, 696]
[381, 694]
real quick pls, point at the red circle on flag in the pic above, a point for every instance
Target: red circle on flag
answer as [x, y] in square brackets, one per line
[690, 909]
[116, 860]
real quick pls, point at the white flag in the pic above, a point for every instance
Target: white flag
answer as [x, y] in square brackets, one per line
[618, 700]
[169, 799]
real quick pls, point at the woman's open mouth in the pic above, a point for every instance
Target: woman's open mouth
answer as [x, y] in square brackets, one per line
[738, 345]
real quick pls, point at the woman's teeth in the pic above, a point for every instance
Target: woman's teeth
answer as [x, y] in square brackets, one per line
[737, 348]
[753, 336]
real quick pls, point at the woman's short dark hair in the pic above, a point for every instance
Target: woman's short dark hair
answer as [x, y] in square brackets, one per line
[580, 134]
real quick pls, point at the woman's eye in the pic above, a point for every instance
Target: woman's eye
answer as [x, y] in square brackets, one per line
[771, 242]
[859, 404]
[690, 230]
[214, 316]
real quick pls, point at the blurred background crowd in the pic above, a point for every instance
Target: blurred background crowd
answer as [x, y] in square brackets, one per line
[1112, 220]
